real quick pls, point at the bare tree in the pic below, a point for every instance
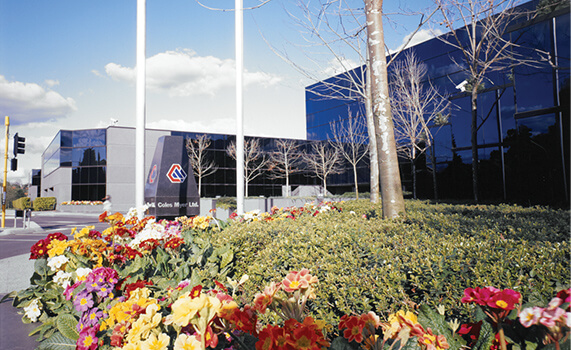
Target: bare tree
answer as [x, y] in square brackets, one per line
[349, 138]
[415, 106]
[323, 160]
[391, 186]
[479, 31]
[254, 159]
[283, 161]
[340, 30]
[202, 166]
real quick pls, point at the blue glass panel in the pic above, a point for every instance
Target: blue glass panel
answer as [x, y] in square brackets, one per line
[534, 86]
[66, 138]
[487, 118]
[507, 111]
[66, 157]
[461, 120]
[89, 138]
[53, 146]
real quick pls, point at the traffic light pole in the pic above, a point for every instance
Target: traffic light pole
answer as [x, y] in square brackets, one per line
[7, 123]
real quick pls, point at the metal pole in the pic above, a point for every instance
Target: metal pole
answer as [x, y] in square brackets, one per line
[239, 33]
[140, 105]
[7, 123]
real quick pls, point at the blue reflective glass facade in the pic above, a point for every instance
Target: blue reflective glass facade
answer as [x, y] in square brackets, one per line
[522, 122]
[84, 151]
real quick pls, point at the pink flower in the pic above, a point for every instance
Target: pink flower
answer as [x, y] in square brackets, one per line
[471, 295]
[530, 316]
[550, 317]
[298, 280]
[263, 300]
[555, 302]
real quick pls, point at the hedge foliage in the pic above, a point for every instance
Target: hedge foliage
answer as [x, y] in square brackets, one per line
[364, 262]
[22, 203]
[45, 203]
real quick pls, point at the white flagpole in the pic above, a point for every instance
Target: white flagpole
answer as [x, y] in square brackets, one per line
[239, 31]
[140, 105]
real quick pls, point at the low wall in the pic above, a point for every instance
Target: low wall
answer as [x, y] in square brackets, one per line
[208, 204]
[95, 209]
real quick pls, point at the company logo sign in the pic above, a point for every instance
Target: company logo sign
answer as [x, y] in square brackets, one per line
[176, 174]
[153, 174]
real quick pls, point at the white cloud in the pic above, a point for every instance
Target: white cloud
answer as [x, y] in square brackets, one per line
[420, 36]
[52, 83]
[183, 73]
[29, 102]
[338, 66]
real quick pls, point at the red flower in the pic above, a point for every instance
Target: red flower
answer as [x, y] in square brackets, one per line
[195, 292]
[134, 286]
[471, 330]
[354, 328]
[174, 243]
[40, 249]
[504, 299]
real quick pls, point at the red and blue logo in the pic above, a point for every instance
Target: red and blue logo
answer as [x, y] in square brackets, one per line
[176, 174]
[153, 174]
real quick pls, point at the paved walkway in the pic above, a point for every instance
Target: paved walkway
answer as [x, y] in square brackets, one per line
[15, 274]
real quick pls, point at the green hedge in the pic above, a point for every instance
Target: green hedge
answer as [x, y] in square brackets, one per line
[45, 203]
[429, 257]
[22, 203]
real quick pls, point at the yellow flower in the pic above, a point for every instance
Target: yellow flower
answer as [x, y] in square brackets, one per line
[57, 247]
[156, 343]
[186, 308]
[186, 342]
[83, 233]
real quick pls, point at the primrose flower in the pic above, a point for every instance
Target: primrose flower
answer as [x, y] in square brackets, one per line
[83, 301]
[530, 316]
[87, 339]
[81, 273]
[550, 317]
[298, 280]
[187, 342]
[92, 317]
[32, 311]
[62, 278]
[263, 300]
[156, 343]
[185, 308]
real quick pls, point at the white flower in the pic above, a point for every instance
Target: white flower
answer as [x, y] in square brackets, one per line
[152, 230]
[137, 212]
[32, 311]
[62, 278]
[82, 272]
[56, 262]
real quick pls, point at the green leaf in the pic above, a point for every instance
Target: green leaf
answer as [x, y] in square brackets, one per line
[67, 326]
[226, 258]
[341, 343]
[57, 342]
[41, 266]
[487, 336]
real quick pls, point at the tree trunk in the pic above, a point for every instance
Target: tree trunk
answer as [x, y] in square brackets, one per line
[287, 189]
[373, 153]
[325, 187]
[356, 181]
[413, 169]
[474, 140]
[391, 186]
[199, 184]
[434, 179]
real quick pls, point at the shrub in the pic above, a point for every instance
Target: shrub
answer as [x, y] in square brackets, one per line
[22, 203]
[226, 203]
[369, 263]
[45, 203]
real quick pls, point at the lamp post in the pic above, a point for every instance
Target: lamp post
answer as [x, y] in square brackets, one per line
[140, 105]
[239, 39]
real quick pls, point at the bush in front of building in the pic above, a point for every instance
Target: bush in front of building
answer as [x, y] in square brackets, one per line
[45, 203]
[22, 203]
[364, 262]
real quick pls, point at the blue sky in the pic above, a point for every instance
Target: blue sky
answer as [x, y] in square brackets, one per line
[68, 64]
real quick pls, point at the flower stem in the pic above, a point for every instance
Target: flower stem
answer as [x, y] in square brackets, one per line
[502, 337]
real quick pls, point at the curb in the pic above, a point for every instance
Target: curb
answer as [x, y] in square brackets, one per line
[34, 228]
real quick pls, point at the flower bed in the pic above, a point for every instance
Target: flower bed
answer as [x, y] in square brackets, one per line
[143, 284]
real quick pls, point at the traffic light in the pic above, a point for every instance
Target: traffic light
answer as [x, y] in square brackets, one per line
[14, 164]
[19, 145]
